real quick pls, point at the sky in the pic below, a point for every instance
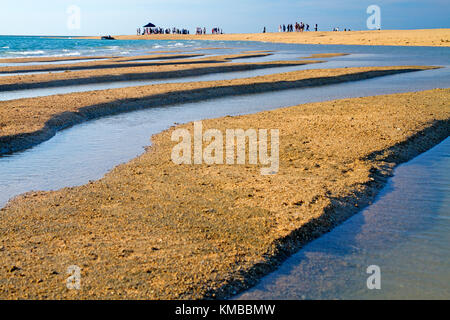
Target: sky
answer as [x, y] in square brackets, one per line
[119, 17]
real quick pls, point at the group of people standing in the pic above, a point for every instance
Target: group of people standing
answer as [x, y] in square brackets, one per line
[200, 31]
[213, 31]
[298, 27]
[337, 29]
[148, 31]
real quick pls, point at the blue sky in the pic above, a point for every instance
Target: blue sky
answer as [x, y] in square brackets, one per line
[49, 17]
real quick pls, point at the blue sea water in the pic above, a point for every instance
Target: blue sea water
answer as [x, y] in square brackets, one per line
[32, 46]
[405, 232]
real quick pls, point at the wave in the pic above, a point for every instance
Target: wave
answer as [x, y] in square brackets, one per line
[31, 53]
[25, 53]
[69, 54]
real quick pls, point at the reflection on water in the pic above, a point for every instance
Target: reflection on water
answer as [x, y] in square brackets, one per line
[41, 92]
[406, 232]
[360, 56]
[88, 150]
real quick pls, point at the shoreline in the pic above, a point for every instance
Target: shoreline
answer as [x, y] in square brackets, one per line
[398, 231]
[362, 171]
[129, 73]
[420, 37]
[132, 61]
[41, 122]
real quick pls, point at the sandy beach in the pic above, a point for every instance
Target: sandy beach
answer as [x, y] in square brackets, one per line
[425, 37]
[116, 71]
[151, 229]
[126, 62]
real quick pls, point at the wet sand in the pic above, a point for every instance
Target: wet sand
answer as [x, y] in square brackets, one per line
[27, 122]
[154, 56]
[129, 73]
[425, 37]
[151, 229]
[127, 62]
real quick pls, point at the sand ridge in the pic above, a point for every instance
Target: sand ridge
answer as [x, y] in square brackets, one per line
[151, 229]
[153, 56]
[27, 122]
[148, 72]
[128, 62]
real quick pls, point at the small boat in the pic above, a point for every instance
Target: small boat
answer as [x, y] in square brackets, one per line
[108, 38]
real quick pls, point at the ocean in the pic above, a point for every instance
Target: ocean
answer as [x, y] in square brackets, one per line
[32, 46]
